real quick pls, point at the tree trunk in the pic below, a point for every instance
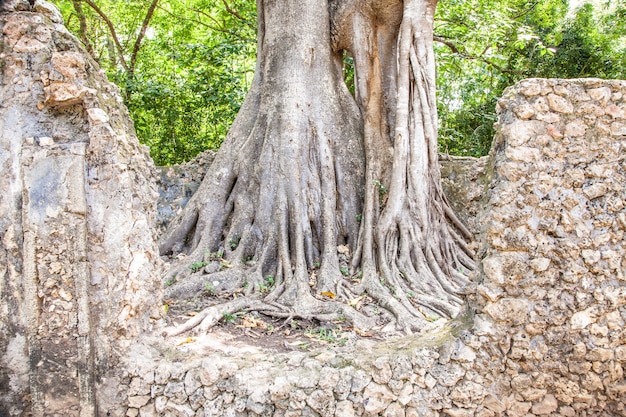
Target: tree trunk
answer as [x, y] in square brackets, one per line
[308, 174]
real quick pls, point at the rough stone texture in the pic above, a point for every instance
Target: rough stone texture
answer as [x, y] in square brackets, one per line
[177, 183]
[464, 183]
[543, 335]
[553, 289]
[78, 271]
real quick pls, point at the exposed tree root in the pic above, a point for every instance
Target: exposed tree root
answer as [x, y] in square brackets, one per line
[315, 198]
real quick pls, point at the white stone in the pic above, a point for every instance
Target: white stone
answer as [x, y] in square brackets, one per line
[582, 319]
[322, 401]
[511, 310]
[46, 141]
[618, 129]
[394, 410]
[520, 132]
[591, 256]
[530, 88]
[540, 264]
[523, 154]
[376, 398]
[575, 129]
[462, 353]
[138, 401]
[493, 267]
[97, 116]
[493, 403]
[547, 406]
[559, 104]
[344, 409]
[525, 111]
[492, 294]
[601, 94]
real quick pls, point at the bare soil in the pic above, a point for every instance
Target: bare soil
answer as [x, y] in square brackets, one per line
[276, 334]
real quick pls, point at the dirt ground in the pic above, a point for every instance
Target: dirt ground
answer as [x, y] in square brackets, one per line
[268, 333]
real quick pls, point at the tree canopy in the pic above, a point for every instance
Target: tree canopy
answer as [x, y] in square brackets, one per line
[184, 66]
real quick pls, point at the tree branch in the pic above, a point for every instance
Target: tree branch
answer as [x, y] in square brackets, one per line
[142, 33]
[234, 12]
[466, 55]
[525, 12]
[107, 21]
[83, 26]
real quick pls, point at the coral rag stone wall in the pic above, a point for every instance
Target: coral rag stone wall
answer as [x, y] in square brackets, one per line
[177, 183]
[545, 334]
[554, 267]
[78, 265]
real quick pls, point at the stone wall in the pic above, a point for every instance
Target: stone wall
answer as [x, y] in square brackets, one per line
[552, 289]
[79, 291]
[78, 265]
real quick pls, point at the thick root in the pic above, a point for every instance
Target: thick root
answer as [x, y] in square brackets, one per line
[208, 317]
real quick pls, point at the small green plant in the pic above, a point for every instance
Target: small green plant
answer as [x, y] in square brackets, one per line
[267, 284]
[233, 243]
[216, 256]
[327, 335]
[209, 288]
[410, 294]
[245, 284]
[344, 271]
[197, 266]
[316, 265]
[170, 281]
[230, 317]
[359, 217]
[382, 190]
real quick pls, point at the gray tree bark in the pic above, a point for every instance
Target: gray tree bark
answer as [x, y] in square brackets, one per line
[307, 168]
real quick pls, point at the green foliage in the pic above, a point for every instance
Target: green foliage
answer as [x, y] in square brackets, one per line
[209, 289]
[185, 78]
[189, 75]
[484, 46]
[267, 284]
[197, 266]
[231, 317]
[327, 335]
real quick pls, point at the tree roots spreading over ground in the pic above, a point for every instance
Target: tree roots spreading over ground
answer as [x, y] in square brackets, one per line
[318, 198]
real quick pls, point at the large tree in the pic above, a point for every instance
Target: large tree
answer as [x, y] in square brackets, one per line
[310, 176]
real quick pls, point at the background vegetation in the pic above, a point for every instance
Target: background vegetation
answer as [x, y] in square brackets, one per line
[184, 66]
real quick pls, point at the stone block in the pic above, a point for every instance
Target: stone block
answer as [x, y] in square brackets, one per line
[547, 406]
